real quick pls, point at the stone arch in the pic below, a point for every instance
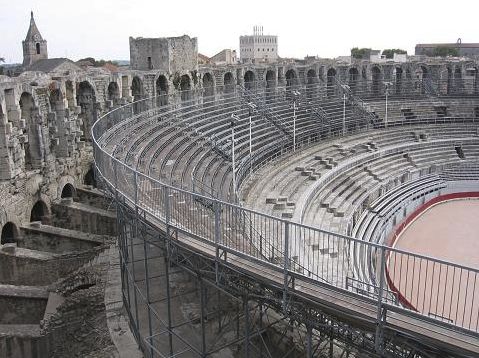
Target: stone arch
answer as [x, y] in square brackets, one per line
[291, 78]
[68, 191]
[162, 90]
[353, 78]
[376, 76]
[249, 80]
[270, 80]
[40, 212]
[33, 148]
[86, 99]
[229, 82]
[208, 85]
[9, 233]
[311, 76]
[311, 80]
[89, 178]
[137, 91]
[185, 87]
[331, 78]
[114, 93]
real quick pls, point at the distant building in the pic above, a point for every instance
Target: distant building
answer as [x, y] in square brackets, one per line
[258, 48]
[203, 59]
[54, 65]
[34, 46]
[169, 54]
[225, 57]
[463, 49]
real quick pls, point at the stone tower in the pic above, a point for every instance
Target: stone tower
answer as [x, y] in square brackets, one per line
[34, 46]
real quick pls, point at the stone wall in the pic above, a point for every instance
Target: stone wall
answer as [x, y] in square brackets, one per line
[80, 217]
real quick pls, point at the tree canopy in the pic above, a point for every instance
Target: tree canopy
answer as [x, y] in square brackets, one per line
[389, 53]
[360, 53]
[95, 63]
[443, 51]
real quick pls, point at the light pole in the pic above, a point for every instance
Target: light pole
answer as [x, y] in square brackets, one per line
[387, 85]
[234, 119]
[345, 89]
[251, 109]
[295, 95]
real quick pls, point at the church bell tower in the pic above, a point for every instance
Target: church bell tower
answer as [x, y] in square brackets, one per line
[34, 46]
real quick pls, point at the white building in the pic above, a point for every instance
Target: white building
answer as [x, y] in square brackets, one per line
[258, 48]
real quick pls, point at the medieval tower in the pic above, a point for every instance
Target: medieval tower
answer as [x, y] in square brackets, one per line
[34, 46]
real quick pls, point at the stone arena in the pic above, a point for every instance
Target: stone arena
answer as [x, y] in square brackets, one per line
[177, 209]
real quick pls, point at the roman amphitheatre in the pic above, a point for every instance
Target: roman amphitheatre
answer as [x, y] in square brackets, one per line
[178, 209]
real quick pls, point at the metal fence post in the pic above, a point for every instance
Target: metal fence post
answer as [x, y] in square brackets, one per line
[286, 264]
[217, 238]
[378, 345]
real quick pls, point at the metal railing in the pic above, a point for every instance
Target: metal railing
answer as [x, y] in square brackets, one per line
[435, 289]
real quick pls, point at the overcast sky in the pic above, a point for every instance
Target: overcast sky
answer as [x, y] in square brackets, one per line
[100, 28]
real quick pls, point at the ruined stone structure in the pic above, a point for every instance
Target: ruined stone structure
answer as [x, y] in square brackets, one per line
[53, 221]
[170, 54]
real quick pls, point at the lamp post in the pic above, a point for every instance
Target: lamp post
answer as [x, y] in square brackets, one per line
[295, 95]
[387, 86]
[251, 109]
[234, 119]
[345, 89]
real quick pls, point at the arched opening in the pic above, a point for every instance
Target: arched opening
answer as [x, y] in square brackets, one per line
[331, 78]
[249, 80]
[458, 81]
[424, 73]
[114, 93]
[137, 93]
[185, 87]
[376, 80]
[398, 81]
[311, 77]
[89, 178]
[9, 233]
[311, 80]
[39, 212]
[290, 78]
[68, 191]
[37, 45]
[270, 79]
[208, 85]
[353, 78]
[33, 148]
[423, 76]
[229, 82]
[57, 106]
[162, 90]
[86, 99]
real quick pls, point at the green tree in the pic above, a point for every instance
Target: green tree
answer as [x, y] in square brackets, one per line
[360, 53]
[443, 51]
[389, 53]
